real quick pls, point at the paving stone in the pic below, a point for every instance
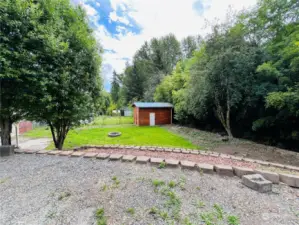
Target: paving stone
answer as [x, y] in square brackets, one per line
[248, 160]
[143, 148]
[19, 151]
[241, 171]
[90, 155]
[185, 151]
[172, 162]
[168, 150]
[277, 165]
[289, 179]
[54, 152]
[151, 149]
[188, 165]
[115, 157]
[204, 153]
[205, 168]
[66, 153]
[102, 156]
[271, 176]
[194, 152]
[137, 147]
[264, 163]
[214, 154]
[292, 167]
[30, 151]
[257, 182]
[224, 156]
[128, 158]
[236, 158]
[77, 154]
[142, 159]
[224, 170]
[156, 160]
[42, 152]
[177, 150]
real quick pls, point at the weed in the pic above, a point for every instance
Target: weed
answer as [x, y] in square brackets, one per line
[186, 221]
[153, 210]
[218, 211]
[131, 211]
[116, 182]
[158, 183]
[162, 165]
[163, 215]
[171, 184]
[182, 183]
[104, 187]
[233, 220]
[198, 188]
[100, 217]
[4, 180]
[64, 195]
[51, 215]
[208, 218]
[200, 204]
[201, 172]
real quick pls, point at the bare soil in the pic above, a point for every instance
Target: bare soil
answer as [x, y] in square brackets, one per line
[237, 147]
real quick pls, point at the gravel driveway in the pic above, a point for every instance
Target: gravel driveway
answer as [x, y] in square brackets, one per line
[43, 189]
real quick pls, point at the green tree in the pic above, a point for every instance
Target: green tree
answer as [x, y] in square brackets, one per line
[115, 88]
[225, 74]
[17, 22]
[65, 88]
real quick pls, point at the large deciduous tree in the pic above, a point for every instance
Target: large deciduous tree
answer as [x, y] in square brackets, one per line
[65, 89]
[17, 21]
[51, 62]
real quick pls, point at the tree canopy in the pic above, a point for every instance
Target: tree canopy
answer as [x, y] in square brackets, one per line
[242, 77]
[58, 64]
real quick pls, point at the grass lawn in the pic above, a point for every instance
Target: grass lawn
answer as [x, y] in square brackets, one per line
[111, 120]
[131, 135]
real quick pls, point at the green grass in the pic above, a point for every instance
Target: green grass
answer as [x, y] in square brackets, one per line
[131, 135]
[112, 120]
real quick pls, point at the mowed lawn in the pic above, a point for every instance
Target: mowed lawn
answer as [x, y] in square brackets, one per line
[131, 135]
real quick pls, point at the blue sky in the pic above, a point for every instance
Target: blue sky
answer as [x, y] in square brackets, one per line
[122, 26]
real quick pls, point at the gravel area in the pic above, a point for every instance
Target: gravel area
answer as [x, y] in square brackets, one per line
[178, 156]
[44, 189]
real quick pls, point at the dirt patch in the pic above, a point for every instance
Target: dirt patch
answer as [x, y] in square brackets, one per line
[237, 147]
[178, 156]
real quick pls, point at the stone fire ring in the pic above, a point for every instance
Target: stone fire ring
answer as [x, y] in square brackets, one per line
[114, 134]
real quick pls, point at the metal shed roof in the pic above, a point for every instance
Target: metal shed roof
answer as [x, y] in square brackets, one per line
[152, 105]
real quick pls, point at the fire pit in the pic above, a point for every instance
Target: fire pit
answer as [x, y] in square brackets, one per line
[114, 134]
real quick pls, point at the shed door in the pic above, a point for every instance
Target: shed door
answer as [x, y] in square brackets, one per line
[152, 119]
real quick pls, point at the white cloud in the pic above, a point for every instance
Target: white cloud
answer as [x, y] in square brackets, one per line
[90, 11]
[114, 17]
[158, 18]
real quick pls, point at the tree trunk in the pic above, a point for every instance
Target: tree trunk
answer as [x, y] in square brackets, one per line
[225, 120]
[5, 127]
[59, 133]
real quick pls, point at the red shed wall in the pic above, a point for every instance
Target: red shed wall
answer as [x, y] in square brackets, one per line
[25, 126]
[162, 115]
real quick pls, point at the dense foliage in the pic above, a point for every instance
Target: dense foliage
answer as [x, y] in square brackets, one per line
[242, 77]
[52, 62]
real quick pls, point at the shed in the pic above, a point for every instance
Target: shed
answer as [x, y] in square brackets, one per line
[126, 111]
[152, 113]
